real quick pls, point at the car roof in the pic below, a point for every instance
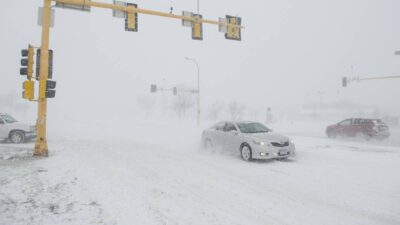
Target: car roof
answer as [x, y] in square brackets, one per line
[245, 121]
[361, 119]
[237, 121]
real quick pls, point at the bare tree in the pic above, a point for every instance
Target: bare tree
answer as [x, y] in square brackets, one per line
[236, 110]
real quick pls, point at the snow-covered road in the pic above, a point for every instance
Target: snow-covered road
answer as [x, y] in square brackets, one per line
[163, 177]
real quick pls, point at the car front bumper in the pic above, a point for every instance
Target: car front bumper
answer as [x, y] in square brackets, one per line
[30, 135]
[270, 152]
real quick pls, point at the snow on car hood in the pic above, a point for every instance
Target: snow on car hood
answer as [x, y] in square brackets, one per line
[20, 126]
[270, 136]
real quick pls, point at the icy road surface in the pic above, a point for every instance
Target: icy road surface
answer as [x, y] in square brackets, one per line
[163, 177]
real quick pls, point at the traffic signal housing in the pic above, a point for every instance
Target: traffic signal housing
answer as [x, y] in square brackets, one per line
[50, 66]
[131, 20]
[27, 62]
[197, 27]
[175, 91]
[344, 81]
[29, 90]
[153, 88]
[234, 30]
[50, 86]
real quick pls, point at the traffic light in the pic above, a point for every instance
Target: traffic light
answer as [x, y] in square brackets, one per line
[29, 90]
[131, 20]
[344, 82]
[153, 88]
[197, 27]
[50, 86]
[175, 91]
[195, 22]
[27, 62]
[233, 32]
[50, 73]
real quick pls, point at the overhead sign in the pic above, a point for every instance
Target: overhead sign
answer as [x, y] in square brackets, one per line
[223, 25]
[40, 17]
[118, 13]
[84, 7]
[187, 23]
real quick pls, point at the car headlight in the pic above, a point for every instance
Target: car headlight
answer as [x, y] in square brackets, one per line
[258, 142]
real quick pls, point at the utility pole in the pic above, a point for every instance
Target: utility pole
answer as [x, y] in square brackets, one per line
[198, 88]
[230, 26]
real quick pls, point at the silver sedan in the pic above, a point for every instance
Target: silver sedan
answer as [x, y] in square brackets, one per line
[252, 139]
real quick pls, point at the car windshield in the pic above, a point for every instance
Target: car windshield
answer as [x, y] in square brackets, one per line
[8, 118]
[253, 128]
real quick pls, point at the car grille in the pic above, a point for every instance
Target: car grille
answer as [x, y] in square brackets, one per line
[281, 144]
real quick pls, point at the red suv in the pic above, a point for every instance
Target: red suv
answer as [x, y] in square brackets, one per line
[367, 128]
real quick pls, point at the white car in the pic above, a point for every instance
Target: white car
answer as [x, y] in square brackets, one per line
[252, 139]
[16, 132]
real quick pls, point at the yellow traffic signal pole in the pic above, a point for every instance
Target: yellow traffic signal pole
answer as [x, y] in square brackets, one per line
[41, 148]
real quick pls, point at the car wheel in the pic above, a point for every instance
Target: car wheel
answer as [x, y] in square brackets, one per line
[17, 137]
[245, 152]
[331, 134]
[367, 137]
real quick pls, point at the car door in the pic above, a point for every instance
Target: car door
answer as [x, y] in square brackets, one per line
[343, 127]
[217, 134]
[362, 126]
[355, 128]
[230, 136]
[3, 129]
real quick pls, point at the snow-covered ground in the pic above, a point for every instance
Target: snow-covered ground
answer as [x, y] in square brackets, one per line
[155, 173]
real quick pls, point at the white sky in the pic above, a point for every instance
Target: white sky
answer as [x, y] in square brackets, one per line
[291, 50]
